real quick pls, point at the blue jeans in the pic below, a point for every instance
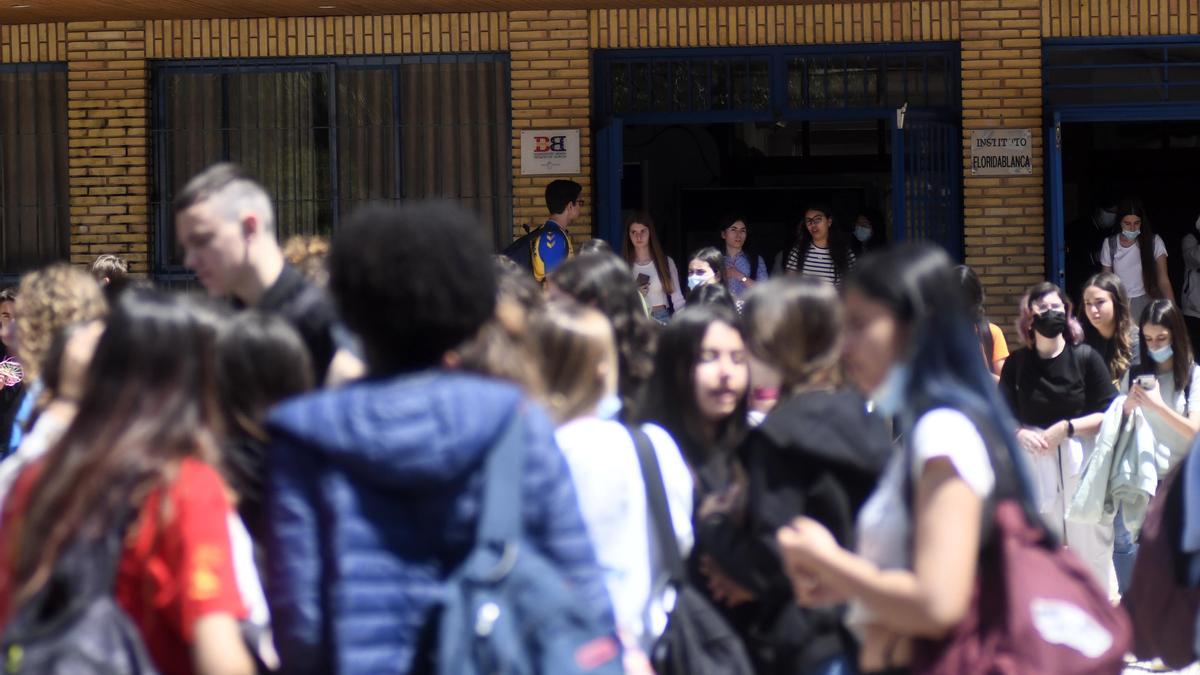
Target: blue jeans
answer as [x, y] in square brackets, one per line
[1124, 552]
[834, 665]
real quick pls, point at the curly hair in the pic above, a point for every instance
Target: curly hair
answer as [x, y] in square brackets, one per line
[48, 300]
[603, 281]
[309, 254]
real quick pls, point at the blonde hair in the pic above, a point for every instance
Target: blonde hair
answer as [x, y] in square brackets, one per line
[308, 253]
[575, 341]
[49, 300]
[795, 325]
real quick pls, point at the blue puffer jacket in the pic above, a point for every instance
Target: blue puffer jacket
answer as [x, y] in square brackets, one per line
[374, 492]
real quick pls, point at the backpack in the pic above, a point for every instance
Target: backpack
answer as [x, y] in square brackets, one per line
[521, 250]
[697, 640]
[507, 609]
[1035, 607]
[73, 625]
[1161, 605]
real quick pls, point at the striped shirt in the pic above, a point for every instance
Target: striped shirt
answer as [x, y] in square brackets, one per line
[817, 264]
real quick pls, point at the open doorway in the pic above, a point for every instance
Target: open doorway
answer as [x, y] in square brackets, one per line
[1102, 162]
[689, 176]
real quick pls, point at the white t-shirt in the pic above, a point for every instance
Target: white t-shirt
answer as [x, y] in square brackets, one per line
[657, 297]
[612, 499]
[1128, 264]
[884, 523]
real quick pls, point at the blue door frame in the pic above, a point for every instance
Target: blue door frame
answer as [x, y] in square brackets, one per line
[1055, 118]
[926, 203]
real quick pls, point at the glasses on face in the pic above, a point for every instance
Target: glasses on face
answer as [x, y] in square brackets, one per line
[579, 202]
[815, 220]
[1042, 307]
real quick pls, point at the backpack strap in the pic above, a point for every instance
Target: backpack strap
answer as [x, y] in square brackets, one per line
[656, 499]
[500, 514]
[1113, 242]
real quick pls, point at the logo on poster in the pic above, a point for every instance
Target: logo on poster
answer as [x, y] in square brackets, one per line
[550, 144]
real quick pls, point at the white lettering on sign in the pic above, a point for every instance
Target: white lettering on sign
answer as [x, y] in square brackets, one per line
[1001, 152]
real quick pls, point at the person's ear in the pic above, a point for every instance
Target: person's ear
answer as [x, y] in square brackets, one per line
[250, 226]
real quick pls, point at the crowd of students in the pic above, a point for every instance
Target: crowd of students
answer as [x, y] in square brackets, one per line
[809, 474]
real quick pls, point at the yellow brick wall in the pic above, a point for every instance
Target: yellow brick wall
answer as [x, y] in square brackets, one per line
[1003, 216]
[551, 88]
[107, 148]
[1092, 18]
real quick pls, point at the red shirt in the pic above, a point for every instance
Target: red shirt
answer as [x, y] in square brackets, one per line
[177, 565]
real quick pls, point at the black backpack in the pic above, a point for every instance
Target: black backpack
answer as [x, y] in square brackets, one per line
[73, 625]
[698, 640]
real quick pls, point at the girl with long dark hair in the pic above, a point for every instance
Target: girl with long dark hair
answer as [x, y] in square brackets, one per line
[1165, 386]
[1138, 256]
[699, 391]
[743, 267]
[1109, 327]
[910, 342]
[822, 251]
[658, 279]
[141, 456]
[818, 452]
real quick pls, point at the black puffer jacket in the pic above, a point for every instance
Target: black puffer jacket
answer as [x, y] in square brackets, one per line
[817, 454]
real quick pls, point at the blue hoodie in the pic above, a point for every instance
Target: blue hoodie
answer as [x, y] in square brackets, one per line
[374, 492]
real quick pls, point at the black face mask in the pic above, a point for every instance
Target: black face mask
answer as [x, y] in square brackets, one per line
[1050, 323]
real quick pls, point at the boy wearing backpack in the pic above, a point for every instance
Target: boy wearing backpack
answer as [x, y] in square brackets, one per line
[546, 247]
[380, 490]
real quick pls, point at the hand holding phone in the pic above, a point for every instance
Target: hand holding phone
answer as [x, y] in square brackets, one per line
[643, 279]
[1146, 382]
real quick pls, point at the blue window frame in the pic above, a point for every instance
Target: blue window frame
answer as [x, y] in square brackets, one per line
[328, 135]
[34, 186]
[1121, 71]
[773, 83]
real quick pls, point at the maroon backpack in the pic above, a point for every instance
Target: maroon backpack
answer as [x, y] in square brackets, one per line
[1035, 609]
[1163, 609]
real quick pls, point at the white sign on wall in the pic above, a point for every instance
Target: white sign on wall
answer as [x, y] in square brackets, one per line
[1001, 152]
[550, 152]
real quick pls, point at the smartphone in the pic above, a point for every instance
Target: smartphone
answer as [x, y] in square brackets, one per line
[1146, 382]
[643, 279]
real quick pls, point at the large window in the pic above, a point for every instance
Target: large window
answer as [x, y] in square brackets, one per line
[34, 192]
[325, 136]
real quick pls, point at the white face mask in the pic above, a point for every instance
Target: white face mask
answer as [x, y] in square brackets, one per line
[698, 279]
[889, 396]
[1198, 224]
[1106, 218]
[862, 233]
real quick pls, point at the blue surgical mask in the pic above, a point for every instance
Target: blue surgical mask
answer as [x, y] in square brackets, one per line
[862, 233]
[889, 396]
[1162, 355]
[1131, 234]
[697, 279]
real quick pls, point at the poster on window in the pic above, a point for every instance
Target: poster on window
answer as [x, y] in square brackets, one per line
[550, 152]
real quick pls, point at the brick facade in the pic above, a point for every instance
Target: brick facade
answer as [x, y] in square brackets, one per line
[551, 88]
[107, 109]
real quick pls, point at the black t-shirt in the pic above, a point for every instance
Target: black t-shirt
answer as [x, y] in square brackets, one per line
[309, 310]
[1042, 392]
[1106, 347]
